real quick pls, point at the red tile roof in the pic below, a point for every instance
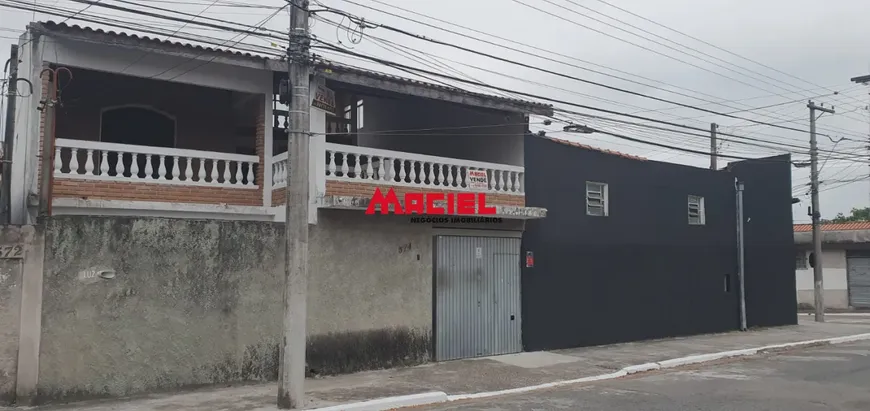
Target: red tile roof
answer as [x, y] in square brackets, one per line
[602, 150]
[858, 225]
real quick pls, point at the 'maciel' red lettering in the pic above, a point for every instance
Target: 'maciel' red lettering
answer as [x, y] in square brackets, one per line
[424, 203]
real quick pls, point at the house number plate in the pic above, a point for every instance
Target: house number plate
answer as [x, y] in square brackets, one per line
[11, 251]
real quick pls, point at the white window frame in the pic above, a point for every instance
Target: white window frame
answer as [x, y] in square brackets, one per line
[599, 189]
[804, 263]
[701, 217]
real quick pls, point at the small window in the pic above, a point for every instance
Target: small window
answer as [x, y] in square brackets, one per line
[596, 199]
[696, 210]
[800, 262]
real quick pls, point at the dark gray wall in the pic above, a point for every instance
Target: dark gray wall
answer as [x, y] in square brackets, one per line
[643, 272]
[770, 248]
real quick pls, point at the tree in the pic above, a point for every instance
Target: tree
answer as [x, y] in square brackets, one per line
[857, 214]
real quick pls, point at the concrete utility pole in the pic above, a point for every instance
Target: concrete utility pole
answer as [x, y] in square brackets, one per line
[816, 215]
[9, 137]
[713, 149]
[864, 80]
[291, 376]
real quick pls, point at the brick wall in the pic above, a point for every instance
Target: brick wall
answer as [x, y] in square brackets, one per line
[346, 188]
[129, 191]
[44, 87]
[278, 196]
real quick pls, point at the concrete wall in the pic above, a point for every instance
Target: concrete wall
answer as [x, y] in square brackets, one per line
[501, 142]
[199, 302]
[835, 280]
[10, 302]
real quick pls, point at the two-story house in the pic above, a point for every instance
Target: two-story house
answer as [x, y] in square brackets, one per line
[168, 168]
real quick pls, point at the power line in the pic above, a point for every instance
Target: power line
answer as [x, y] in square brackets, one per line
[420, 37]
[673, 42]
[527, 95]
[534, 54]
[710, 44]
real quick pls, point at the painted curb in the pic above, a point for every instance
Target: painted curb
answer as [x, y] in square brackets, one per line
[618, 374]
[390, 403]
[634, 369]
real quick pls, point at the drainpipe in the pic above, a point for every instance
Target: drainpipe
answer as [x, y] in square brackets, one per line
[740, 253]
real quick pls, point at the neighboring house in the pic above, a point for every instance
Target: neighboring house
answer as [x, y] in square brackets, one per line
[845, 265]
[169, 171]
[634, 249]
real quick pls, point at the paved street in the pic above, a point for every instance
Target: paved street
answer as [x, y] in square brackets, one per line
[822, 378]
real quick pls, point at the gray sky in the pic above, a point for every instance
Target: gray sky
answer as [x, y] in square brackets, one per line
[820, 44]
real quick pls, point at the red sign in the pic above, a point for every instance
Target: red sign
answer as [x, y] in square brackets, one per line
[530, 259]
[424, 203]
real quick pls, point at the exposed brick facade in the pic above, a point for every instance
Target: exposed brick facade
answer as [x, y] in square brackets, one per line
[137, 191]
[278, 196]
[348, 188]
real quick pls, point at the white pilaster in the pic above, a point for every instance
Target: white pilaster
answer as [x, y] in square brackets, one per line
[267, 152]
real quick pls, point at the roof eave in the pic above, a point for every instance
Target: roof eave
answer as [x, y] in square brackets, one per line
[168, 49]
[401, 86]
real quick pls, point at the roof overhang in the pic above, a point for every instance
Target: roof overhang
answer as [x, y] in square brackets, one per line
[381, 81]
[834, 237]
[155, 46]
[336, 72]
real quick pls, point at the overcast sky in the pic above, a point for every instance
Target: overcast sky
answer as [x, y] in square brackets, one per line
[811, 50]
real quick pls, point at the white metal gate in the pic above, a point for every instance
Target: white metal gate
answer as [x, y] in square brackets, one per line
[858, 267]
[477, 297]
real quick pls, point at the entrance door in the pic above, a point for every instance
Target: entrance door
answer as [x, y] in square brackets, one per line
[858, 266]
[477, 297]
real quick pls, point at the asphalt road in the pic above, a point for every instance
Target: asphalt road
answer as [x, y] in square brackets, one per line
[821, 378]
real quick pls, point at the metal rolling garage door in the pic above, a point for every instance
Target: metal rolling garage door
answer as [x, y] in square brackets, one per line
[858, 266]
[477, 297]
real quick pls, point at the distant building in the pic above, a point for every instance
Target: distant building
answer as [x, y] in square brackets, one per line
[845, 265]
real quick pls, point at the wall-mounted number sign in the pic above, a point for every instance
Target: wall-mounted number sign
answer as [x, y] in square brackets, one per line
[11, 251]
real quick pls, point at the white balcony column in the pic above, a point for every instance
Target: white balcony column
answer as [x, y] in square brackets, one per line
[268, 144]
[316, 159]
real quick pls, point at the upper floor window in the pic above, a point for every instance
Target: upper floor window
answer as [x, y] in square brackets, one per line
[696, 210]
[596, 199]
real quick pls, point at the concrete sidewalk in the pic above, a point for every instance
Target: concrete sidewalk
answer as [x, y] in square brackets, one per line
[479, 375]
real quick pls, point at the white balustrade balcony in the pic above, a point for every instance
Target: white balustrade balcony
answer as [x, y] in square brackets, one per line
[376, 166]
[279, 170]
[93, 160]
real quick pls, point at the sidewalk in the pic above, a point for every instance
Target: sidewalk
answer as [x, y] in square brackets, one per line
[479, 375]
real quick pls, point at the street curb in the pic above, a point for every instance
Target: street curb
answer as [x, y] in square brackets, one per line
[391, 403]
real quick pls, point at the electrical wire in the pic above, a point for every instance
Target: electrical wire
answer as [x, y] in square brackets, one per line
[476, 52]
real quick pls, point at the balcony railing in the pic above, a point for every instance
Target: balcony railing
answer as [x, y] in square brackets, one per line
[376, 166]
[279, 170]
[80, 159]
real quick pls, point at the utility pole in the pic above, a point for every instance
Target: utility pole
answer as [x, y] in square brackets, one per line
[713, 149]
[816, 215]
[291, 376]
[864, 80]
[9, 137]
